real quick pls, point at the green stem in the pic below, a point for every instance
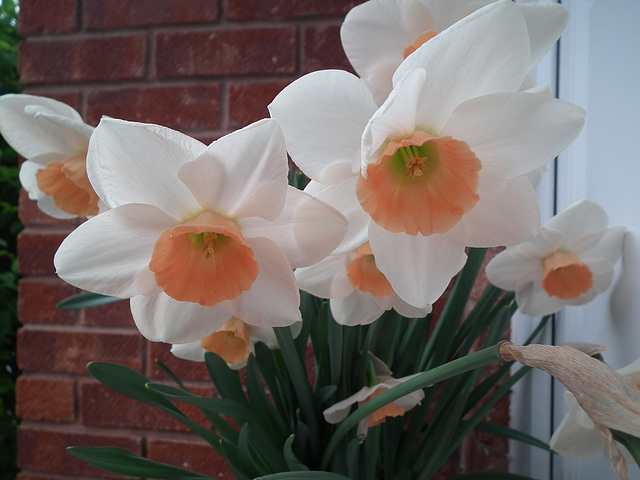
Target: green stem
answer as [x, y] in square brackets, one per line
[422, 380]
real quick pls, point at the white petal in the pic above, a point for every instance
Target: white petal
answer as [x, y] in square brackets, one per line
[631, 371]
[514, 133]
[395, 119]
[418, 268]
[51, 126]
[359, 308]
[110, 253]
[375, 34]
[503, 218]
[545, 23]
[409, 311]
[533, 300]
[608, 249]
[578, 220]
[323, 115]
[306, 230]
[273, 299]
[449, 12]
[486, 52]
[573, 438]
[339, 411]
[243, 174]
[342, 197]
[267, 336]
[29, 182]
[327, 278]
[189, 351]
[160, 318]
[131, 162]
[504, 271]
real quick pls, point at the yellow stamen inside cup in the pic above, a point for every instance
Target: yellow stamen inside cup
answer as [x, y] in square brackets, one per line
[421, 184]
[565, 276]
[205, 260]
[380, 415]
[364, 275]
[230, 342]
[67, 182]
[420, 40]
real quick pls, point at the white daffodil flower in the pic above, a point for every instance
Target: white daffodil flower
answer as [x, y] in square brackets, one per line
[233, 342]
[384, 381]
[576, 437]
[359, 293]
[196, 234]
[379, 34]
[568, 263]
[601, 399]
[54, 140]
[442, 164]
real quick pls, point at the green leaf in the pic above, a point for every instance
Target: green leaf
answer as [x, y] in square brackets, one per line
[507, 432]
[490, 476]
[311, 475]
[132, 384]
[86, 300]
[226, 380]
[290, 457]
[124, 462]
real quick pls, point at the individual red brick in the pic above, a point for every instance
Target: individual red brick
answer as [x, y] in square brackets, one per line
[38, 297]
[44, 399]
[112, 315]
[103, 407]
[36, 248]
[272, 9]
[183, 369]
[103, 14]
[226, 52]
[68, 351]
[45, 449]
[248, 101]
[43, 16]
[195, 456]
[85, 59]
[182, 107]
[323, 49]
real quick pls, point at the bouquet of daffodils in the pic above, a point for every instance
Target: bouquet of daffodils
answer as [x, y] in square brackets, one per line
[348, 299]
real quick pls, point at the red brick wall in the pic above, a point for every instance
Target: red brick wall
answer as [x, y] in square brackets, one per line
[205, 67]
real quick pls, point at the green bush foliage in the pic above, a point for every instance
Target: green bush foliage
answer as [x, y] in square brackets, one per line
[9, 228]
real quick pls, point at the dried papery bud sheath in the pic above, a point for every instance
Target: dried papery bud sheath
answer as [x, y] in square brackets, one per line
[610, 400]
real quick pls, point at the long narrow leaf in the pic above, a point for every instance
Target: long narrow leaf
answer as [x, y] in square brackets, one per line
[504, 431]
[312, 475]
[491, 476]
[124, 462]
[86, 300]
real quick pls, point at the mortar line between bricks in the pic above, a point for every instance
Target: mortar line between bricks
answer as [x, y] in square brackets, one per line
[79, 328]
[220, 26]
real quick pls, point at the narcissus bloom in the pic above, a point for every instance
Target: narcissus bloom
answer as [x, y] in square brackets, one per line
[568, 263]
[359, 293]
[608, 399]
[442, 164]
[383, 382]
[53, 138]
[576, 437]
[233, 342]
[196, 234]
[379, 34]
